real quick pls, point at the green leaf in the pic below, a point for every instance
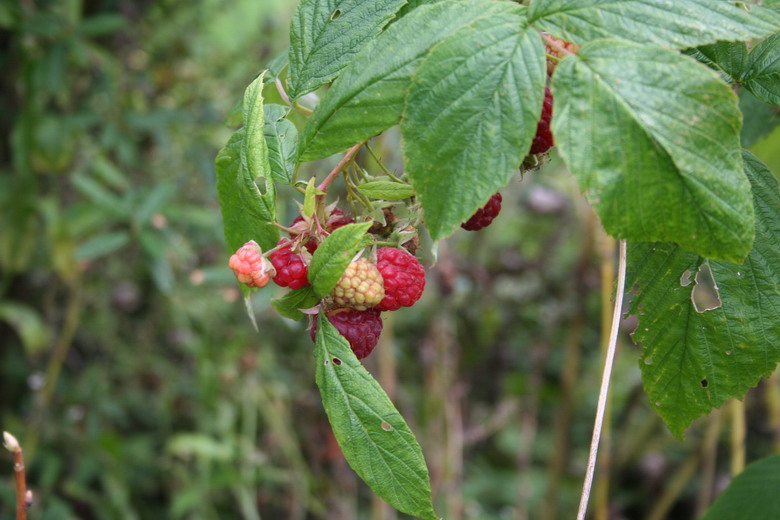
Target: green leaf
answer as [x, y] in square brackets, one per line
[368, 97]
[373, 436]
[386, 190]
[102, 245]
[254, 152]
[653, 139]
[763, 70]
[759, 119]
[729, 58]
[694, 361]
[281, 136]
[333, 256]
[28, 325]
[246, 213]
[471, 114]
[678, 24]
[752, 494]
[326, 34]
[290, 304]
[310, 197]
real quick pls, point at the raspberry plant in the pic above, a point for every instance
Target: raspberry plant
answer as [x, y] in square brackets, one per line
[640, 98]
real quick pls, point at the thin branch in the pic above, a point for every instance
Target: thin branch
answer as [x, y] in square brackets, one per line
[332, 175]
[23, 497]
[604, 391]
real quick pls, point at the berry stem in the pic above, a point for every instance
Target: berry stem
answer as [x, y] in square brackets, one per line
[552, 43]
[23, 497]
[282, 92]
[284, 228]
[381, 165]
[344, 160]
[605, 380]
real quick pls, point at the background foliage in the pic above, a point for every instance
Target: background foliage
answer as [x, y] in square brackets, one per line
[138, 387]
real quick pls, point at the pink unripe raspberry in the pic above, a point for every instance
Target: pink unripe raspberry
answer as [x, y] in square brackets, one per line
[360, 328]
[485, 215]
[360, 287]
[250, 267]
[543, 140]
[291, 270]
[404, 278]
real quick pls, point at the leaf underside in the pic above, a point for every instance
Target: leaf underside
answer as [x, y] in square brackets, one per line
[694, 361]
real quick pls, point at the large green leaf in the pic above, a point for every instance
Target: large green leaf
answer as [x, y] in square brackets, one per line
[281, 136]
[373, 436]
[694, 361]
[326, 34]
[762, 77]
[752, 494]
[246, 214]
[368, 97]
[471, 114]
[653, 139]
[678, 23]
[333, 256]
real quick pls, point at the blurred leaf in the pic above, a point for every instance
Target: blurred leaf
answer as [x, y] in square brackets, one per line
[621, 120]
[199, 445]
[102, 245]
[333, 256]
[28, 324]
[485, 74]
[758, 120]
[680, 24]
[326, 34]
[96, 193]
[752, 494]
[153, 202]
[157, 249]
[695, 361]
[102, 24]
[373, 436]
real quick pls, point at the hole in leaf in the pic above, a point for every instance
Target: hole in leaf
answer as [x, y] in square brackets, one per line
[337, 361]
[327, 362]
[685, 279]
[705, 296]
[704, 383]
[386, 426]
[648, 360]
[728, 352]
[335, 14]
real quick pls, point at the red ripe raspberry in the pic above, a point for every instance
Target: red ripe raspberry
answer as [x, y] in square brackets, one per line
[291, 271]
[544, 138]
[360, 328]
[404, 278]
[250, 266]
[336, 219]
[485, 215]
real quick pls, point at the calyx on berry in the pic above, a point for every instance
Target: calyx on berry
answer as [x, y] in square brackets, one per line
[250, 266]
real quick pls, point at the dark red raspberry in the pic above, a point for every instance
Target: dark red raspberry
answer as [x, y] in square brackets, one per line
[291, 271]
[360, 328]
[404, 278]
[544, 138]
[485, 215]
[336, 219]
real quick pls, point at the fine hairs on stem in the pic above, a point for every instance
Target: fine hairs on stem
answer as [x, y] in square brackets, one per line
[605, 379]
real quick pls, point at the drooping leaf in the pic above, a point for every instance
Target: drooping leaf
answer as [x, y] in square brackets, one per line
[326, 34]
[694, 361]
[332, 257]
[281, 136]
[246, 213]
[254, 152]
[762, 77]
[678, 24]
[373, 436]
[368, 97]
[291, 303]
[471, 114]
[653, 139]
[752, 494]
[386, 190]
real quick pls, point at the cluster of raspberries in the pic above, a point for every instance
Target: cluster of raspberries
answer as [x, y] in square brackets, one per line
[364, 290]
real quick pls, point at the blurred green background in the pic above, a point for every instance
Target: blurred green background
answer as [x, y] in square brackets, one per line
[137, 385]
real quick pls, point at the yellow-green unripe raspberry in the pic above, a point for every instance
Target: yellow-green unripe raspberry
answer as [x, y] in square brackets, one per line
[360, 287]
